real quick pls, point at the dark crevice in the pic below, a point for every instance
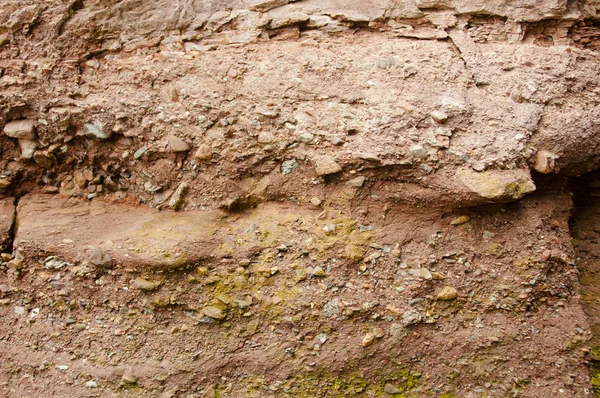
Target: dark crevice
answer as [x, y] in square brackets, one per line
[13, 228]
[585, 231]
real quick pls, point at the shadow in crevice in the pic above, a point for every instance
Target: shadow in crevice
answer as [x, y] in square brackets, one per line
[585, 231]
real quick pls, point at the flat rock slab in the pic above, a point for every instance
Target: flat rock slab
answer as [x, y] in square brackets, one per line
[137, 236]
[133, 236]
[7, 217]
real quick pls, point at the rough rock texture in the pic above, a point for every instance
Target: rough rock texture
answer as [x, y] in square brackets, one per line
[294, 198]
[7, 216]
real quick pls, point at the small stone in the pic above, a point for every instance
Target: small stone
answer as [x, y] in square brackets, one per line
[448, 293]
[44, 159]
[162, 196]
[316, 202]
[240, 281]
[460, 220]
[177, 198]
[288, 166]
[212, 279]
[28, 147]
[91, 384]
[411, 317]
[140, 152]
[321, 337]
[213, 312]
[202, 271]
[144, 284]
[15, 264]
[244, 262]
[331, 308]
[266, 137]
[129, 378]
[176, 144]
[391, 389]
[20, 311]
[318, 271]
[305, 137]
[242, 304]
[54, 262]
[325, 165]
[100, 259]
[418, 152]
[425, 274]
[204, 152]
[22, 129]
[544, 162]
[368, 339]
[61, 367]
[437, 276]
[95, 131]
[357, 182]
[439, 116]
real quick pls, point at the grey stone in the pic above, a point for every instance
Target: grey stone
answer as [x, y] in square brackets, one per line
[20, 311]
[305, 137]
[357, 182]
[140, 152]
[54, 262]
[288, 166]
[418, 152]
[331, 308]
[411, 317]
[321, 337]
[162, 196]
[95, 131]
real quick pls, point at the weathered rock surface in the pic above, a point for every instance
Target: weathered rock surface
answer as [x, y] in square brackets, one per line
[7, 216]
[395, 175]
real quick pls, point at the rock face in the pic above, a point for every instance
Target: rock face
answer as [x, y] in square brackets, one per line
[392, 172]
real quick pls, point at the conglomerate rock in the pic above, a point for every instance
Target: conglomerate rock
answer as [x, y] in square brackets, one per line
[294, 198]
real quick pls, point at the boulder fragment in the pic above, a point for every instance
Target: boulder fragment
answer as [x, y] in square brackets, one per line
[22, 129]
